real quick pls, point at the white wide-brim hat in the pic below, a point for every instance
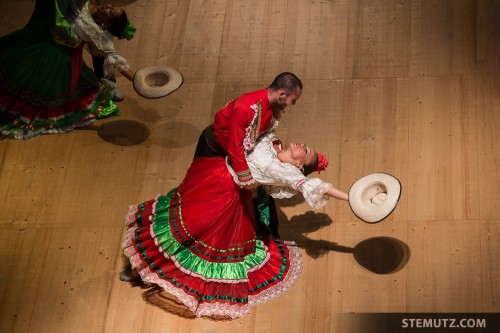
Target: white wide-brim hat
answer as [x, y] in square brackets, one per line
[157, 81]
[372, 198]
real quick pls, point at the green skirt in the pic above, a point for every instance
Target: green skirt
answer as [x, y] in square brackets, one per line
[36, 94]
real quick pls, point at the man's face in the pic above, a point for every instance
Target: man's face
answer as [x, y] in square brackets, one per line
[285, 100]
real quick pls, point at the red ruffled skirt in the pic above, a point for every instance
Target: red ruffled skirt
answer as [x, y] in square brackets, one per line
[198, 243]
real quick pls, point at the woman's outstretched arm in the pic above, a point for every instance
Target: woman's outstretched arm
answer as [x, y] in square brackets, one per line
[128, 73]
[337, 194]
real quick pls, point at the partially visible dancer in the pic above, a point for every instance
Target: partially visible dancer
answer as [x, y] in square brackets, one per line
[103, 67]
[45, 87]
[198, 242]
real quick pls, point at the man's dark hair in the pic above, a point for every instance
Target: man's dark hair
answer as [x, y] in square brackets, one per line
[286, 81]
[118, 24]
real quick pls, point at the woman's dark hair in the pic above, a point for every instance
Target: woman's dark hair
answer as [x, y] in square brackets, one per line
[286, 81]
[311, 167]
[118, 24]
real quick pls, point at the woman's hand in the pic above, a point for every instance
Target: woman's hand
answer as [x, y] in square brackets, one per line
[128, 74]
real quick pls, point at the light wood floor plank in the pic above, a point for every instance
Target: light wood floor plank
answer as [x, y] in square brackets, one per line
[405, 87]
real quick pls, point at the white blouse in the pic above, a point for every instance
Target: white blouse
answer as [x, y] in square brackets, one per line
[283, 180]
[99, 41]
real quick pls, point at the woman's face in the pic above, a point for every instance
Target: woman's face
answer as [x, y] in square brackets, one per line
[106, 13]
[302, 154]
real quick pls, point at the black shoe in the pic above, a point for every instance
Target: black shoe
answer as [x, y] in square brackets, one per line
[129, 275]
[117, 96]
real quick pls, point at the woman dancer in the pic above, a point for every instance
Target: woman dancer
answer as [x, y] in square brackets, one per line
[44, 85]
[198, 242]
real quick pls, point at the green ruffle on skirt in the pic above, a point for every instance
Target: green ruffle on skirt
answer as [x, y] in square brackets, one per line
[208, 269]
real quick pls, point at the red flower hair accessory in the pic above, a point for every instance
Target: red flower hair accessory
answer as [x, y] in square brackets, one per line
[322, 162]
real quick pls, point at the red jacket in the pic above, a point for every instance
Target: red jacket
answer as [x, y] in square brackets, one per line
[238, 125]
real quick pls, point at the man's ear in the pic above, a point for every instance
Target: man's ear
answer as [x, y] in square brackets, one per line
[282, 95]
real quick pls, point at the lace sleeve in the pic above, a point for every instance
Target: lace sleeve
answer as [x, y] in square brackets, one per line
[291, 181]
[99, 42]
[59, 26]
[314, 190]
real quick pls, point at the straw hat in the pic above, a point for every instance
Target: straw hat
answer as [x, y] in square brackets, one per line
[372, 198]
[156, 81]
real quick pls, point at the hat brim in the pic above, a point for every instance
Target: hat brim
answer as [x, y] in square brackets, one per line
[363, 194]
[157, 81]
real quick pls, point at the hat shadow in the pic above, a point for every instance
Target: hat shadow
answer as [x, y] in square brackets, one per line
[382, 255]
[120, 132]
[123, 132]
[379, 255]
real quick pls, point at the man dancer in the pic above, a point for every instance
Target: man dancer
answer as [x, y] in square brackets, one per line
[239, 124]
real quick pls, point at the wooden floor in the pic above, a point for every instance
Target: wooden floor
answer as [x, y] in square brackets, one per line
[410, 88]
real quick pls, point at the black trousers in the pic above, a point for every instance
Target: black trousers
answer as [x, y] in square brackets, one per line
[203, 149]
[98, 64]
